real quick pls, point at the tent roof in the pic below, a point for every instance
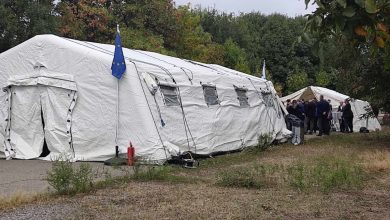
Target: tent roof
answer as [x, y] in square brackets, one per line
[164, 63]
[315, 91]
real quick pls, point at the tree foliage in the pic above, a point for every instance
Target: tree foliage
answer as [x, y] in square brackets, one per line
[361, 30]
[23, 19]
[297, 80]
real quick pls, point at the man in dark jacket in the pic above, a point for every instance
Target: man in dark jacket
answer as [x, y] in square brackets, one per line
[322, 116]
[348, 116]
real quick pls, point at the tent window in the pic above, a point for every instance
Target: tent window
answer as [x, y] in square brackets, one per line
[242, 98]
[268, 99]
[170, 95]
[210, 95]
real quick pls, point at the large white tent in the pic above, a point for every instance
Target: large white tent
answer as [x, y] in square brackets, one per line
[358, 106]
[60, 91]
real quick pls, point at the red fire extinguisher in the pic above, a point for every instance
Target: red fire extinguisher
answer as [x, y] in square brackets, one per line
[130, 155]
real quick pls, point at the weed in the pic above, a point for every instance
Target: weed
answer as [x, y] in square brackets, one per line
[60, 176]
[65, 179]
[82, 178]
[264, 141]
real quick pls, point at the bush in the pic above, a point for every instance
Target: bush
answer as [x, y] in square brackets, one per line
[82, 178]
[60, 176]
[65, 179]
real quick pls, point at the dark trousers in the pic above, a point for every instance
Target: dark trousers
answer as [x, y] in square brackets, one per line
[342, 125]
[348, 123]
[323, 125]
[311, 124]
[288, 125]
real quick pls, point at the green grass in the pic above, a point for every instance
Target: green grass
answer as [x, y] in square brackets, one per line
[159, 174]
[256, 177]
[239, 178]
[326, 174]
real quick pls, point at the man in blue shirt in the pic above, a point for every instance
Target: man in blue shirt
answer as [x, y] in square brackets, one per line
[322, 113]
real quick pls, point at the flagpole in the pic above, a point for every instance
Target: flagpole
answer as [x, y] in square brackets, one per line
[117, 109]
[263, 72]
[117, 119]
[118, 68]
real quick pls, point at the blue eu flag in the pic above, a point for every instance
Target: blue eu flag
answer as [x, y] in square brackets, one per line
[118, 64]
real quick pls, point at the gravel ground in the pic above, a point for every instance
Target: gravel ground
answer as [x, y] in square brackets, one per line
[40, 212]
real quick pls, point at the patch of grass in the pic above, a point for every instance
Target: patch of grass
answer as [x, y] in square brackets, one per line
[16, 200]
[249, 177]
[238, 178]
[297, 176]
[376, 161]
[327, 174]
[157, 173]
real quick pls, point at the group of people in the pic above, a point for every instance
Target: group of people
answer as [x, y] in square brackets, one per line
[306, 117]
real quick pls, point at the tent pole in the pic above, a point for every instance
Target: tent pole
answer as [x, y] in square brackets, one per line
[117, 120]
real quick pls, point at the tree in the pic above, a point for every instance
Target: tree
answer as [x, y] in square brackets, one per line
[365, 25]
[273, 38]
[297, 80]
[23, 19]
[324, 78]
[235, 57]
[86, 20]
[363, 21]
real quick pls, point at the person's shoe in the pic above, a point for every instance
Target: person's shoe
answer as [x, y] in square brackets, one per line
[295, 144]
[310, 133]
[319, 134]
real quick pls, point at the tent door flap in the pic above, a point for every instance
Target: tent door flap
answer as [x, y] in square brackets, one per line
[38, 113]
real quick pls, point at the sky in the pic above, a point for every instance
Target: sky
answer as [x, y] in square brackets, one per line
[291, 8]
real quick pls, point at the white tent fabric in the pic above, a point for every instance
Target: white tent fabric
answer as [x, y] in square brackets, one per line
[357, 105]
[67, 85]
